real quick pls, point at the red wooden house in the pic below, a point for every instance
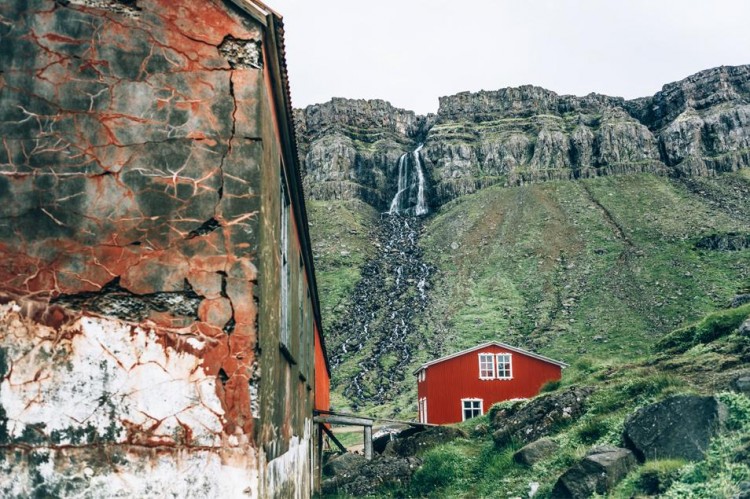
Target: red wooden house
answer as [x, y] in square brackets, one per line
[465, 384]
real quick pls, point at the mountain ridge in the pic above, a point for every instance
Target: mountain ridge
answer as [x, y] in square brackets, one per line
[696, 126]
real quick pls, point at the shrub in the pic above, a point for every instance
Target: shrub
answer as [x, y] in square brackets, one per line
[708, 329]
[550, 386]
[656, 477]
[591, 430]
[585, 364]
[513, 404]
[650, 386]
[441, 466]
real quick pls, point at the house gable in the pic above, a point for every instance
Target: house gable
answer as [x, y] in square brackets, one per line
[485, 345]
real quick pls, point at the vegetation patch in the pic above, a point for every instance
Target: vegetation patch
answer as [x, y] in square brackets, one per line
[708, 329]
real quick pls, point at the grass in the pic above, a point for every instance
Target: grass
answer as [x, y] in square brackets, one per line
[710, 328]
[476, 467]
[599, 268]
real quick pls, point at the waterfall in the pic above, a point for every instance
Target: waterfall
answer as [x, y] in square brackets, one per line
[392, 294]
[406, 199]
[377, 338]
[403, 173]
[421, 208]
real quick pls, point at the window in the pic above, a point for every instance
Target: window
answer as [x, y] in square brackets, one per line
[421, 375]
[471, 408]
[486, 366]
[504, 366]
[285, 326]
[423, 410]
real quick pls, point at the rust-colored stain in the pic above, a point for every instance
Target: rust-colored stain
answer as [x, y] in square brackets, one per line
[118, 156]
[140, 164]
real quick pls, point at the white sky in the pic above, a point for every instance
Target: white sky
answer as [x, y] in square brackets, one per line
[410, 52]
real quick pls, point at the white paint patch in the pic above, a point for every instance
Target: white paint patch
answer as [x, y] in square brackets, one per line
[289, 474]
[182, 473]
[108, 377]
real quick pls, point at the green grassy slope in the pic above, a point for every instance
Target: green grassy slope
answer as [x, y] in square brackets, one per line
[477, 467]
[341, 244]
[599, 268]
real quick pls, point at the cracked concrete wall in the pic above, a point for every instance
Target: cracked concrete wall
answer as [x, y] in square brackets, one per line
[139, 263]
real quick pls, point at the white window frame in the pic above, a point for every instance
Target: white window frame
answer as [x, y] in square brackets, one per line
[509, 374]
[472, 408]
[423, 410]
[484, 369]
[422, 375]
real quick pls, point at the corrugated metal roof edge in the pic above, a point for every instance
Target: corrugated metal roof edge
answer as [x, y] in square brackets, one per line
[485, 345]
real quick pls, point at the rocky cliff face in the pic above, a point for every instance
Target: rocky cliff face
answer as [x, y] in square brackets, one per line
[697, 126]
[350, 148]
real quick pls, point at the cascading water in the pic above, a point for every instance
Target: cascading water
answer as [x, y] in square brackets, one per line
[378, 337]
[410, 191]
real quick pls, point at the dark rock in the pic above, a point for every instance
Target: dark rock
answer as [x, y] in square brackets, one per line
[344, 465]
[740, 300]
[420, 442]
[536, 451]
[601, 449]
[381, 471]
[744, 328]
[742, 453]
[385, 435]
[542, 416]
[743, 491]
[741, 384]
[595, 474]
[679, 427]
[724, 242]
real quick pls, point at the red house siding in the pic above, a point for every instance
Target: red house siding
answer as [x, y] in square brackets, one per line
[322, 380]
[446, 383]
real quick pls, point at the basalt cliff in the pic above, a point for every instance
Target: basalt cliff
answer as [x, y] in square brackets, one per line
[696, 126]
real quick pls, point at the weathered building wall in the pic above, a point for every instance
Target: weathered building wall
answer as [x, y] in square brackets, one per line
[140, 270]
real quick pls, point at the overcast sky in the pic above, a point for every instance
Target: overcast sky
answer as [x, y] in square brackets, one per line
[410, 52]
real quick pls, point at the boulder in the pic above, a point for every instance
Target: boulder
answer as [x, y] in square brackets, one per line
[744, 328]
[680, 427]
[597, 473]
[419, 442]
[526, 422]
[384, 435]
[345, 464]
[741, 384]
[740, 300]
[536, 451]
[369, 478]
